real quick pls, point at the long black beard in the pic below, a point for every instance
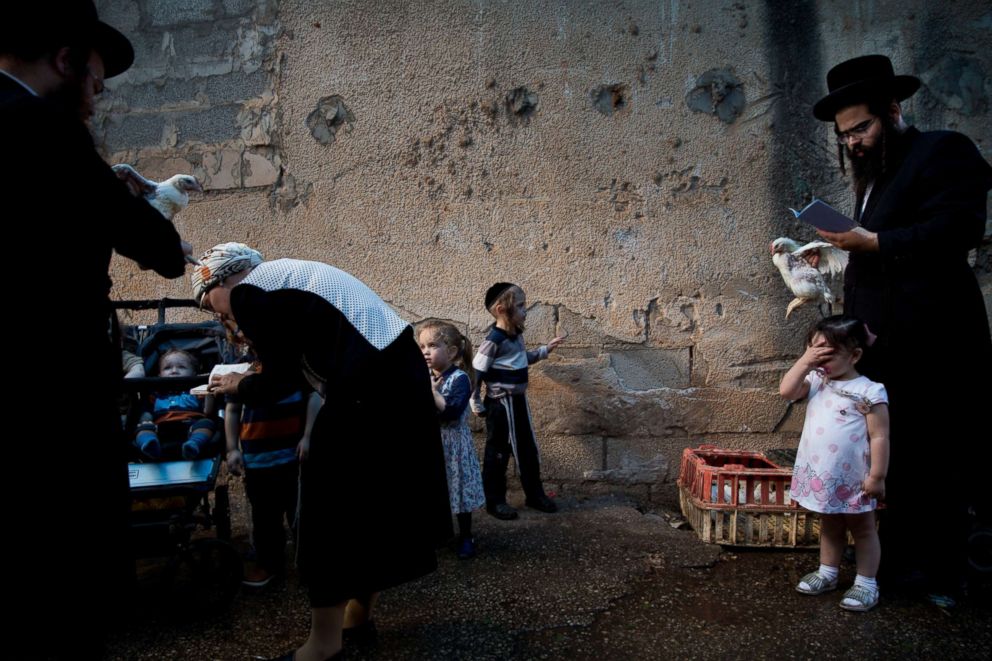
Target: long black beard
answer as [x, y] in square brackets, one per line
[69, 97]
[875, 162]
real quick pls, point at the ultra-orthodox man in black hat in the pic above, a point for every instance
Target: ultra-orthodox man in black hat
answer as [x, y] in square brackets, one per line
[920, 200]
[65, 213]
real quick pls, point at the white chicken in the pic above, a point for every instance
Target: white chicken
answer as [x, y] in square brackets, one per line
[169, 197]
[803, 268]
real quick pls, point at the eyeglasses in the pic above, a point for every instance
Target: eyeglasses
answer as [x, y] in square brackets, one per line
[855, 133]
[205, 302]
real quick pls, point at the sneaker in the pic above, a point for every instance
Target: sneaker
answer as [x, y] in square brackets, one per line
[944, 601]
[150, 447]
[502, 511]
[542, 504]
[859, 599]
[256, 577]
[191, 450]
[466, 549]
[813, 583]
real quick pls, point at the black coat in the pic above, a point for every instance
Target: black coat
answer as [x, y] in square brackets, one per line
[933, 353]
[64, 213]
[374, 498]
[928, 211]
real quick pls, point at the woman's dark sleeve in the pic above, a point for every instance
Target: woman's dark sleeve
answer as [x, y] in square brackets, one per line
[277, 324]
[457, 399]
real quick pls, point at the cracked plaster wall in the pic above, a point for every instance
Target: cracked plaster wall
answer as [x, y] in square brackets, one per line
[627, 163]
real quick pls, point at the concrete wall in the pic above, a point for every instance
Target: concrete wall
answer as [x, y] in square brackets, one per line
[627, 162]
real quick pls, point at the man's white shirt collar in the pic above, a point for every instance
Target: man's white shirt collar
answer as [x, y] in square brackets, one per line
[19, 81]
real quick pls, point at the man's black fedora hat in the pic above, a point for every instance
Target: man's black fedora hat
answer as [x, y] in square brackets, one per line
[34, 24]
[857, 80]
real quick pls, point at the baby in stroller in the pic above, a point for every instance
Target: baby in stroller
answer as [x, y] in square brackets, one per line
[173, 417]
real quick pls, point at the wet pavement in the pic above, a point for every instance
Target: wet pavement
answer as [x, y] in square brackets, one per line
[601, 579]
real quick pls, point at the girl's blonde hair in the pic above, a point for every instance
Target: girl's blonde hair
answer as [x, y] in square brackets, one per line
[453, 337]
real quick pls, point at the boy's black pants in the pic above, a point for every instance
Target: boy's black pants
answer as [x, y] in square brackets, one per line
[498, 450]
[272, 493]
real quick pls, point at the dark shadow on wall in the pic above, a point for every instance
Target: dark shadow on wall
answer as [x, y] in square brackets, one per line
[802, 163]
[952, 72]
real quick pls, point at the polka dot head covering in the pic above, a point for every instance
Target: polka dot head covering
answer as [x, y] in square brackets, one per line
[220, 262]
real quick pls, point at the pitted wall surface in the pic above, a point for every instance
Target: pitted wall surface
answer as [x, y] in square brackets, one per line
[627, 163]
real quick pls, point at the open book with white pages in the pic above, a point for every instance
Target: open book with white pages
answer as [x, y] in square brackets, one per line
[234, 368]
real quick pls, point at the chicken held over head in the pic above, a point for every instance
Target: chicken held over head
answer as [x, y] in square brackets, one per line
[169, 197]
[804, 267]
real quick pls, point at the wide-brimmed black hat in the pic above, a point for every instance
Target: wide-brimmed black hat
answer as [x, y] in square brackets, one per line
[857, 80]
[35, 25]
[114, 48]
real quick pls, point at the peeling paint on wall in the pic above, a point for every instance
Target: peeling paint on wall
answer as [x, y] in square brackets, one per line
[330, 116]
[609, 99]
[289, 193]
[960, 84]
[717, 92]
[201, 92]
[521, 104]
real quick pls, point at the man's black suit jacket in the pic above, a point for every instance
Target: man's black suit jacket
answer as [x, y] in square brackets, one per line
[64, 212]
[922, 299]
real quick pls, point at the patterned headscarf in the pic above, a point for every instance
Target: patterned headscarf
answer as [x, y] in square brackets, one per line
[220, 262]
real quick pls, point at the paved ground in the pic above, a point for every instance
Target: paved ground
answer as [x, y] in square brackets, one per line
[599, 580]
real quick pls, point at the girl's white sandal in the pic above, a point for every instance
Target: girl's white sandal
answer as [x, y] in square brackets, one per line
[813, 583]
[859, 599]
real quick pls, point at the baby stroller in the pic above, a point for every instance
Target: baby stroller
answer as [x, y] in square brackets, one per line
[178, 512]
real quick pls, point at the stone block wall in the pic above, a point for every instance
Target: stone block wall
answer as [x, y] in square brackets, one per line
[628, 163]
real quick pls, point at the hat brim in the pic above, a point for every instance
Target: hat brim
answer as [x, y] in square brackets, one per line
[114, 48]
[901, 87]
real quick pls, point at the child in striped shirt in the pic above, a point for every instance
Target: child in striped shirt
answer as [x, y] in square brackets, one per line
[501, 363]
[266, 444]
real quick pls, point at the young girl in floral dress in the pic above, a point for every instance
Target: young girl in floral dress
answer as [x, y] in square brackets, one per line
[843, 454]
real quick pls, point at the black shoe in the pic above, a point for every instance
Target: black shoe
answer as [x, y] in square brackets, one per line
[542, 503]
[363, 635]
[502, 511]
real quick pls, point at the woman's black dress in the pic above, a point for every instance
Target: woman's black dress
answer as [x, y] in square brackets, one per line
[373, 493]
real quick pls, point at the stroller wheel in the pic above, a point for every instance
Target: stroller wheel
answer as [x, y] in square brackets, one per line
[222, 512]
[204, 577]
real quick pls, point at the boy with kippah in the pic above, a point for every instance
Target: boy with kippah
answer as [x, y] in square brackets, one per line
[501, 363]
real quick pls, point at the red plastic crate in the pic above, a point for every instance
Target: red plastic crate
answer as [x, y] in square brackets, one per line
[741, 498]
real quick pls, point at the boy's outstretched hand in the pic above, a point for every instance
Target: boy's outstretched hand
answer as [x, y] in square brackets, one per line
[553, 344]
